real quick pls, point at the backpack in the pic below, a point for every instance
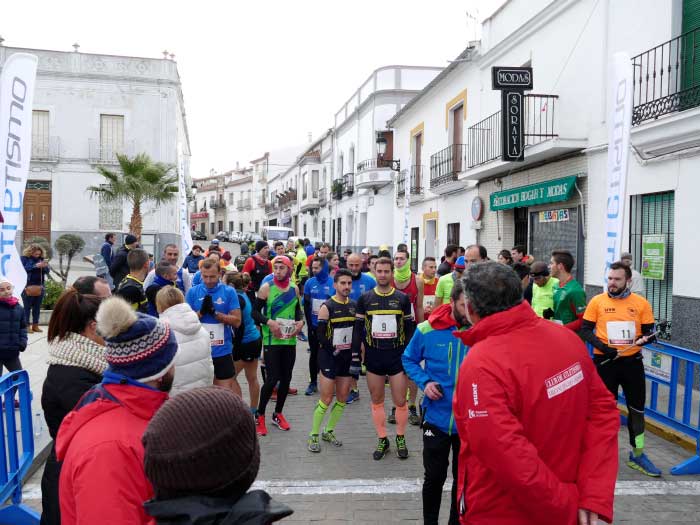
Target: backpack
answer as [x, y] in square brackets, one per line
[239, 261]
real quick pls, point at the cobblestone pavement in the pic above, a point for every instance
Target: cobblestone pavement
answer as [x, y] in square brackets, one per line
[388, 491]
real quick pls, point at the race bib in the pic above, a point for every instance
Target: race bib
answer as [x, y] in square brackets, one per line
[384, 326]
[287, 327]
[428, 301]
[216, 333]
[621, 332]
[342, 338]
[316, 305]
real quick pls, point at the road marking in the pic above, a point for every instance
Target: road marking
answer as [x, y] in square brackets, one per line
[303, 487]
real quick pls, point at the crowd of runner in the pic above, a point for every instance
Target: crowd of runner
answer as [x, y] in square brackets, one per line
[522, 322]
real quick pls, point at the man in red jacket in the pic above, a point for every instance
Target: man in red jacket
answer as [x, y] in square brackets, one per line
[102, 478]
[538, 427]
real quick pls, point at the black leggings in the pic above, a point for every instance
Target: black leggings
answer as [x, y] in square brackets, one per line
[436, 457]
[628, 373]
[11, 364]
[313, 355]
[279, 364]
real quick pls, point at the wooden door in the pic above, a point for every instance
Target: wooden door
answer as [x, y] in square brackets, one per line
[418, 150]
[457, 138]
[37, 214]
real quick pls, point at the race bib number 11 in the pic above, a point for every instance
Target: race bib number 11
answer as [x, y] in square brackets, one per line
[621, 332]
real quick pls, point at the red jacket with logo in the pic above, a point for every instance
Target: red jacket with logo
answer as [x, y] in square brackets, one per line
[538, 427]
[102, 477]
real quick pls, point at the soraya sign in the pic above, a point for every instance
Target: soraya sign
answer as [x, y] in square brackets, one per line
[556, 190]
[512, 83]
[511, 78]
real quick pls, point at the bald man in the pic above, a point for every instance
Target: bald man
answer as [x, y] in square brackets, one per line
[543, 289]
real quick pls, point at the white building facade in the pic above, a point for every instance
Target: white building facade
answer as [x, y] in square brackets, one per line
[87, 108]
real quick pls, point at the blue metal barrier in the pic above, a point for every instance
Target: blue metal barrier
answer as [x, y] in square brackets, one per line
[662, 363]
[15, 464]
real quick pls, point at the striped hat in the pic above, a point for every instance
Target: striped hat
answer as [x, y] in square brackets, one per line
[138, 346]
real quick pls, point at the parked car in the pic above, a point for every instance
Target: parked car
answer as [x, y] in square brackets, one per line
[235, 236]
[256, 237]
[246, 237]
[198, 236]
[223, 236]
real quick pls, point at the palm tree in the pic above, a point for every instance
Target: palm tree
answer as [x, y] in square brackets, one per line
[140, 180]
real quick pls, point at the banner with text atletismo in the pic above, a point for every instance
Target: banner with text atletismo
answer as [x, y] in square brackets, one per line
[16, 101]
[185, 232]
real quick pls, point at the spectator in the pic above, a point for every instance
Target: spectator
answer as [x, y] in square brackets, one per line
[106, 253]
[193, 258]
[76, 363]
[344, 259]
[519, 254]
[449, 260]
[505, 257]
[333, 263]
[131, 287]
[33, 294]
[166, 276]
[241, 259]
[522, 378]
[91, 285]
[637, 283]
[13, 328]
[476, 253]
[120, 267]
[461, 251]
[99, 441]
[523, 271]
[193, 365]
[202, 456]
[171, 254]
[543, 289]
[366, 252]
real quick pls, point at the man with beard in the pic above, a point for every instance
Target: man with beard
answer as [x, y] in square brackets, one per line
[623, 321]
[258, 265]
[99, 441]
[441, 355]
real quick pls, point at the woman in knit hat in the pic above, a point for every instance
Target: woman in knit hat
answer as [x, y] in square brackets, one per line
[76, 363]
[202, 456]
[13, 328]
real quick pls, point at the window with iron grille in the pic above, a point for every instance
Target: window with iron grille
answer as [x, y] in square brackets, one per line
[652, 214]
[520, 220]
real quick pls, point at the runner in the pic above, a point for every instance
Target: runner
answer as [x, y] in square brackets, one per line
[445, 283]
[278, 310]
[385, 325]
[361, 283]
[623, 321]
[171, 254]
[218, 309]
[258, 265]
[336, 360]
[407, 282]
[430, 281]
[569, 296]
[317, 291]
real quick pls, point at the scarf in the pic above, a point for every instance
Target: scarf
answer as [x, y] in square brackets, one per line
[9, 301]
[323, 276]
[401, 275]
[283, 283]
[78, 350]
[622, 295]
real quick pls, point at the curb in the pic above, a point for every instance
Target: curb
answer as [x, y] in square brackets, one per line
[666, 433]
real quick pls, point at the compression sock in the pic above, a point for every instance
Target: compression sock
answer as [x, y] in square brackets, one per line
[638, 448]
[401, 419]
[336, 414]
[319, 412]
[379, 419]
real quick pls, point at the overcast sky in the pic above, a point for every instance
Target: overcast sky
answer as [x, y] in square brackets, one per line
[256, 75]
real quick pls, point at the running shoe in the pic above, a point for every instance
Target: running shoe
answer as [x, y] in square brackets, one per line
[401, 448]
[644, 465]
[302, 337]
[313, 444]
[382, 449]
[260, 427]
[391, 418]
[292, 391]
[311, 389]
[353, 396]
[329, 436]
[280, 421]
[413, 417]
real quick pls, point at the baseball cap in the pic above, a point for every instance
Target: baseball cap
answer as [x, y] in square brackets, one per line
[366, 251]
[460, 264]
[215, 241]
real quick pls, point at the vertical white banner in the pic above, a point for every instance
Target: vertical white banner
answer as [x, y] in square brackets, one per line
[16, 101]
[407, 201]
[185, 232]
[619, 124]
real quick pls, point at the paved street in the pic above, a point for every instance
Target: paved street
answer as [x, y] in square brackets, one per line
[346, 485]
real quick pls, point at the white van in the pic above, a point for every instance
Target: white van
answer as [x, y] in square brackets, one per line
[276, 233]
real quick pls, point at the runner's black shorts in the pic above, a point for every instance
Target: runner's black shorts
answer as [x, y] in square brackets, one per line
[383, 362]
[223, 367]
[247, 351]
[332, 366]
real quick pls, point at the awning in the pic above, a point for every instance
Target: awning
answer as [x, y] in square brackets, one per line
[556, 190]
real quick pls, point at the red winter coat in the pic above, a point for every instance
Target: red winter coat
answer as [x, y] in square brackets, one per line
[102, 478]
[538, 428]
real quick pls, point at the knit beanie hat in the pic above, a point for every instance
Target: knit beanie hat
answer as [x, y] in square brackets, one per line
[138, 346]
[201, 441]
[260, 245]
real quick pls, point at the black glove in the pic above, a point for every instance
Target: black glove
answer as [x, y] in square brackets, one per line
[548, 313]
[609, 354]
[207, 306]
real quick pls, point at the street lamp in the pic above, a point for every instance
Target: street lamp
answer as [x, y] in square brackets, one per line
[394, 165]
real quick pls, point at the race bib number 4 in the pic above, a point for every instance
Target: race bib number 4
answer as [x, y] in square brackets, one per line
[342, 338]
[316, 305]
[216, 333]
[621, 332]
[384, 326]
[287, 327]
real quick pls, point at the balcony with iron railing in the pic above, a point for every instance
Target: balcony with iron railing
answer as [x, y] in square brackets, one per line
[271, 207]
[99, 153]
[348, 184]
[373, 174]
[322, 196]
[287, 198]
[217, 204]
[243, 204]
[46, 149]
[415, 181]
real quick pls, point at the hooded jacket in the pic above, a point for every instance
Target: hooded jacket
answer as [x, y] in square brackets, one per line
[443, 354]
[317, 291]
[253, 508]
[537, 424]
[193, 364]
[13, 330]
[102, 477]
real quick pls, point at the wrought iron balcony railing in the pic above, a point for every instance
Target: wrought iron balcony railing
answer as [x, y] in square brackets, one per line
[415, 181]
[445, 165]
[46, 148]
[107, 153]
[370, 164]
[349, 183]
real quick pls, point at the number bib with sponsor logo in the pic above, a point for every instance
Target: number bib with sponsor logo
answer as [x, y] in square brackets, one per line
[428, 301]
[216, 333]
[342, 338]
[621, 332]
[383, 326]
[287, 327]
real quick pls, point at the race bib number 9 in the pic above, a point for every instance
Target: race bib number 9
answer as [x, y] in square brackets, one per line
[342, 338]
[216, 333]
[287, 327]
[621, 332]
[384, 326]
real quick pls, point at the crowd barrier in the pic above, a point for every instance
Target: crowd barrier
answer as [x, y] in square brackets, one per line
[16, 457]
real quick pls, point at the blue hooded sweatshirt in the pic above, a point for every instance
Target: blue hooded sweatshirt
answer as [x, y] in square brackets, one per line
[443, 354]
[317, 291]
